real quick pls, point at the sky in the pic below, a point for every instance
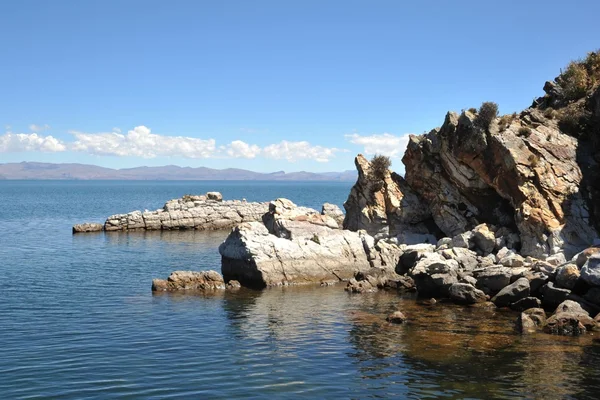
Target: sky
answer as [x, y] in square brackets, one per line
[266, 85]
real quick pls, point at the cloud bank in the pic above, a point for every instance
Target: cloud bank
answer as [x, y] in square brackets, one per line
[385, 143]
[141, 142]
[19, 142]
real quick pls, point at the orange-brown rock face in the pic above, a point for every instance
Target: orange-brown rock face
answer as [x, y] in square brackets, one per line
[524, 173]
[387, 207]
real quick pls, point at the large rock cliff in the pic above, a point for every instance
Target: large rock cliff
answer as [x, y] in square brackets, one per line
[535, 173]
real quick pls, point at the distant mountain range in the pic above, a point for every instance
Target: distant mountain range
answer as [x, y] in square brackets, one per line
[48, 171]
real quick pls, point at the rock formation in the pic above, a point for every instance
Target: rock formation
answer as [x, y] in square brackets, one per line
[292, 245]
[385, 208]
[523, 175]
[203, 212]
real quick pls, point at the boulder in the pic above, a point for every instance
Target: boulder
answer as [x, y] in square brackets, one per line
[216, 196]
[553, 295]
[512, 293]
[411, 254]
[255, 257]
[464, 293]
[467, 259]
[512, 261]
[189, 280]
[590, 272]
[433, 275]
[526, 303]
[531, 320]
[468, 279]
[581, 258]
[566, 276]
[484, 238]
[88, 227]
[464, 240]
[334, 212]
[536, 281]
[492, 279]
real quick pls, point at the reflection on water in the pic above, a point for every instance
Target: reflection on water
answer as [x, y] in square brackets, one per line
[443, 349]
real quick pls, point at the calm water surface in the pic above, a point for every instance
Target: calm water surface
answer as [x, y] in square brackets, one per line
[78, 319]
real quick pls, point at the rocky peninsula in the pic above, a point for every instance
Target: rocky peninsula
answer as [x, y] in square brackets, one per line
[495, 211]
[200, 212]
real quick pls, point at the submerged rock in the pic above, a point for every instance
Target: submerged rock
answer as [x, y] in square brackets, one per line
[531, 320]
[189, 280]
[396, 318]
[88, 227]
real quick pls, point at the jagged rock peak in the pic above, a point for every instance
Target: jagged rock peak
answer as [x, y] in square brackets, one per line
[384, 207]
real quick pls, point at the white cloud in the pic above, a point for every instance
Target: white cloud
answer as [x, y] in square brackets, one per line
[239, 149]
[39, 128]
[294, 151]
[140, 142]
[18, 142]
[385, 143]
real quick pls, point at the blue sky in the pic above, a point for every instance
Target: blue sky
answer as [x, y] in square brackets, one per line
[266, 85]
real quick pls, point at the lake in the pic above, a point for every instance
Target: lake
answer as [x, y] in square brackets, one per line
[78, 319]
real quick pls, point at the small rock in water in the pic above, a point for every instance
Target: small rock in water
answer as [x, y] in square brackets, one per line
[88, 227]
[396, 317]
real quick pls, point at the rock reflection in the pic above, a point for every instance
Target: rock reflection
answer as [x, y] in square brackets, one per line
[469, 352]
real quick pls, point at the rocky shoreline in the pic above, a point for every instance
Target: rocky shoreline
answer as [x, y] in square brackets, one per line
[492, 212]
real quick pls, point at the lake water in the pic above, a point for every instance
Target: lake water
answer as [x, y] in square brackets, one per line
[78, 319]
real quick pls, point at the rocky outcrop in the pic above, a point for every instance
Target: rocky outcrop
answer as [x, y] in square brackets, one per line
[522, 175]
[385, 208]
[293, 245]
[204, 212]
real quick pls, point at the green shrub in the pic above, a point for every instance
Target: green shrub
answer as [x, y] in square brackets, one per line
[524, 131]
[580, 76]
[379, 166]
[487, 112]
[574, 81]
[473, 110]
[550, 113]
[533, 159]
